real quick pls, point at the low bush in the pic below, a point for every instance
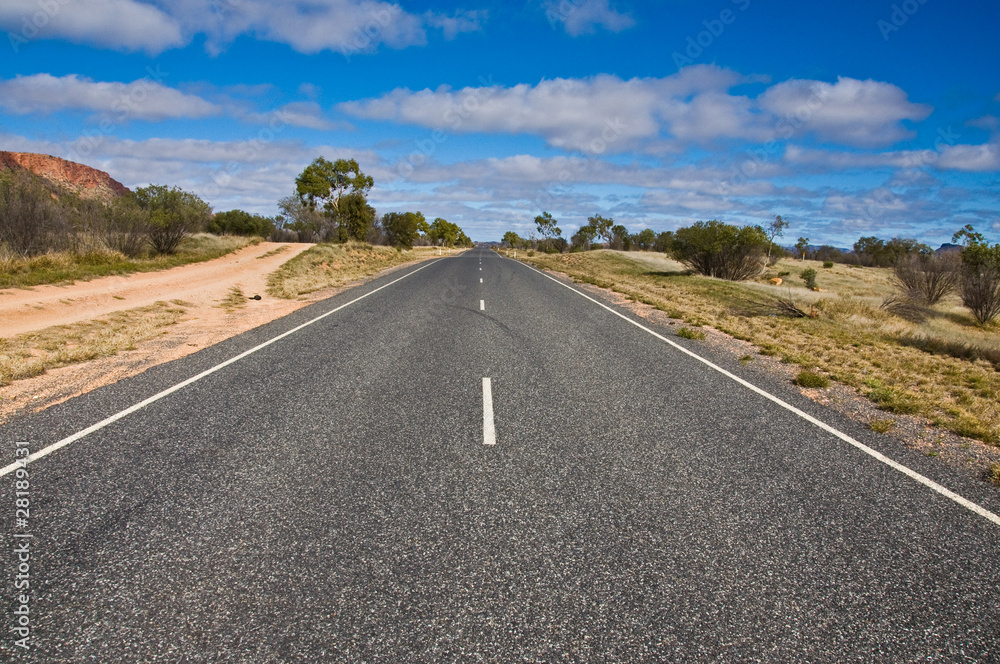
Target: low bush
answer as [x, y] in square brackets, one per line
[926, 278]
[809, 276]
[721, 250]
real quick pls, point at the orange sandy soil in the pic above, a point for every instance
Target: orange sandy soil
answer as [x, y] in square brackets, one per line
[201, 287]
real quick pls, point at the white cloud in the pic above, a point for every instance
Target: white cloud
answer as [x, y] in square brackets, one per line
[828, 160]
[696, 105]
[972, 158]
[593, 115]
[307, 114]
[144, 99]
[117, 24]
[852, 112]
[308, 26]
[585, 17]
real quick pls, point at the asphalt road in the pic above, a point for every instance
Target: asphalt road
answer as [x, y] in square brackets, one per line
[329, 497]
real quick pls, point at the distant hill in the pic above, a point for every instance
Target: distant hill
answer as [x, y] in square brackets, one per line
[84, 181]
[946, 247]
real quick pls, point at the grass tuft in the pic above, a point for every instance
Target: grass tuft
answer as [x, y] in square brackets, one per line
[882, 425]
[811, 379]
[688, 333]
[993, 474]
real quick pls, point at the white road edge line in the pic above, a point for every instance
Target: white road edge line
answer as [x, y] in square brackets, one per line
[45, 451]
[489, 429]
[926, 481]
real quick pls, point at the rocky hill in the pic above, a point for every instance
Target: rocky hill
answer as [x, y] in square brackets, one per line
[82, 180]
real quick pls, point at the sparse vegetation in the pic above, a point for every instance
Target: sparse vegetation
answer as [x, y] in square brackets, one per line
[31, 354]
[940, 368]
[235, 299]
[69, 266]
[883, 425]
[993, 474]
[327, 265]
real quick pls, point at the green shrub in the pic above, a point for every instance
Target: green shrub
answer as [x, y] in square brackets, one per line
[809, 276]
[812, 379]
[238, 222]
[828, 264]
[688, 333]
[721, 250]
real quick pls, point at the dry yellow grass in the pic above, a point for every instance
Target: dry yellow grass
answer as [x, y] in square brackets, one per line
[935, 369]
[31, 354]
[331, 265]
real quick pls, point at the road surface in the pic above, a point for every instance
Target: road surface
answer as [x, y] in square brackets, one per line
[345, 485]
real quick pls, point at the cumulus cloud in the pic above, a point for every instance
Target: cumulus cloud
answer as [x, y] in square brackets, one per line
[585, 17]
[145, 99]
[117, 24]
[308, 26]
[971, 158]
[696, 105]
[852, 112]
[593, 115]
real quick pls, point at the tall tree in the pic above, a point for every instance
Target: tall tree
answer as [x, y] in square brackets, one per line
[547, 226]
[775, 229]
[645, 239]
[444, 232]
[402, 228]
[328, 182]
[602, 227]
[801, 247]
[355, 217]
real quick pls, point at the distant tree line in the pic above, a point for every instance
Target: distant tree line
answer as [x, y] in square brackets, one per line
[329, 205]
[716, 249]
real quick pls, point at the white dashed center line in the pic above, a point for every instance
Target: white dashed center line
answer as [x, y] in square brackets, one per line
[482, 305]
[489, 430]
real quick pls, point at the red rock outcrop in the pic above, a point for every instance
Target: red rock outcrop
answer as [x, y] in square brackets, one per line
[83, 180]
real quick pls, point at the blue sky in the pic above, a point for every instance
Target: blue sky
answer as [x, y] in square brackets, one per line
[846, 118]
